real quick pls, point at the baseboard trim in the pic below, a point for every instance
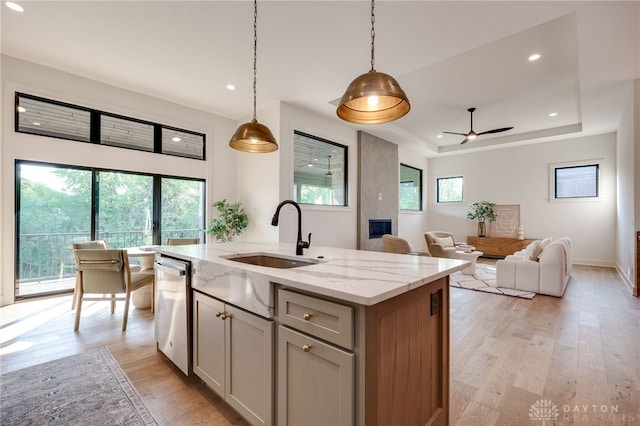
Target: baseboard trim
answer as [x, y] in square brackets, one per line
[627, 282]
[593, 262]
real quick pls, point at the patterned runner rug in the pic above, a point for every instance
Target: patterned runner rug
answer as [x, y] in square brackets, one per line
[84, 389]
[485, 280]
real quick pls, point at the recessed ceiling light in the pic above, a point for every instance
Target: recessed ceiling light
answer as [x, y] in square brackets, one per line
[36, 123]
[439, 136]
[553, 114]
[14, 6]
[534, 57]
[231, 87]
[22, 109]
[176, 139]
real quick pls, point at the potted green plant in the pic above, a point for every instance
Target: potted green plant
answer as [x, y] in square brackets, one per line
[231, 221]
[482, 211]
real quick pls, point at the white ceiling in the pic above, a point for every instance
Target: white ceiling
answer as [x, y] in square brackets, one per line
[447, 55]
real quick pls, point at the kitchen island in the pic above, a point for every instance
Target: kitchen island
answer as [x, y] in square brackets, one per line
[352, 337]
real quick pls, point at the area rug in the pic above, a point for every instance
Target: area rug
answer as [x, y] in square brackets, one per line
[84, 389]
[485, 280]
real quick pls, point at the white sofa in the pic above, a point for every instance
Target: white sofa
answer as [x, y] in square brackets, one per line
[543, 267]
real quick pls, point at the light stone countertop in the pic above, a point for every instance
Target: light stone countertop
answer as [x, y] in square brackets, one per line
[362, 277]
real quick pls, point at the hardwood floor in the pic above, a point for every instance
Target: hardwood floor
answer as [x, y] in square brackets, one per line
[581, 352]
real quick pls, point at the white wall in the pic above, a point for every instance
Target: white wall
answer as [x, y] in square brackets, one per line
[17, 75]
[331, 226]
[258, 175]
[628, 143]
[520, 175]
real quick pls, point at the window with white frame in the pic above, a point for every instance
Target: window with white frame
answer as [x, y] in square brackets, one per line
[576, 180]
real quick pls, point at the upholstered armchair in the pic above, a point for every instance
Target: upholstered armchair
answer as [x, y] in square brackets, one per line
[104, 271]
[440, 243]
[393, 244]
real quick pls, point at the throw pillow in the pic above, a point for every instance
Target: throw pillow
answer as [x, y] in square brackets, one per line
[534, 249]
[545, 242]
[444, 242]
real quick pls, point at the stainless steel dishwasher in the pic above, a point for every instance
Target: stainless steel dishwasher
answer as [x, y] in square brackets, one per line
[173, 310]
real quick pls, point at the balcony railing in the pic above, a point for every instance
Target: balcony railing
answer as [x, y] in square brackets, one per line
[48, 257]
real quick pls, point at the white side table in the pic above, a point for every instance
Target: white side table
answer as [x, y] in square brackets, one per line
[471, 256]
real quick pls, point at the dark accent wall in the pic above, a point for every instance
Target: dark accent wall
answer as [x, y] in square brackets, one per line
[378, 167]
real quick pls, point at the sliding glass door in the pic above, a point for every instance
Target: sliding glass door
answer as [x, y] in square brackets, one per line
[125, 209]
[58, 205]
[182, 209]
[54, 210]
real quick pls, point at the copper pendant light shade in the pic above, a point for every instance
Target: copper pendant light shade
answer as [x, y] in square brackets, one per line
[374, 97]
[253, 136]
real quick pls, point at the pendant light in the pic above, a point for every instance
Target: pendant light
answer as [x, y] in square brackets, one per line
[373, 97]
[253, 136]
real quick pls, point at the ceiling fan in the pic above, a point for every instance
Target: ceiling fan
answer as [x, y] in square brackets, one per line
[472, 135]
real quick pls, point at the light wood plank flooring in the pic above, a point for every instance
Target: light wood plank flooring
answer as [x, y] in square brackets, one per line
[581, 351]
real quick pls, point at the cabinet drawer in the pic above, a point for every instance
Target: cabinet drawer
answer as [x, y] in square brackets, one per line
[327, 320]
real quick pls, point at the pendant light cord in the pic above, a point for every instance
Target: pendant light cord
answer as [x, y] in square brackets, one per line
[255, 53]
[373, 34]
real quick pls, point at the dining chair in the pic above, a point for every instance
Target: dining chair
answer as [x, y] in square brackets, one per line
[182, 241]
[107, 271]
[393, 244]
[96, 245]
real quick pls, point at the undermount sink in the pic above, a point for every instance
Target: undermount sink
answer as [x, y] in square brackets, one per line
[271, 261]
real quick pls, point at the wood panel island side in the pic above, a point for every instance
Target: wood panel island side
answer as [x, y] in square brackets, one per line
[353, 338]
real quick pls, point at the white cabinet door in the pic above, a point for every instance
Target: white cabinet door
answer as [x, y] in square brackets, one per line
[233, 354]
[209, 341]
[315, 381]
[249, 365]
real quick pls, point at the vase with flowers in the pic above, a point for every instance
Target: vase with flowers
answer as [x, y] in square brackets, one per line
[482, 211]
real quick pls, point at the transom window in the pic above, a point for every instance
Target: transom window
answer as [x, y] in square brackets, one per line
[46, 117]
[320, 171]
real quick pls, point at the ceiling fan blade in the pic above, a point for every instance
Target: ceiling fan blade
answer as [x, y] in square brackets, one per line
[455, 133]
[503, 129]
[465, 141]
